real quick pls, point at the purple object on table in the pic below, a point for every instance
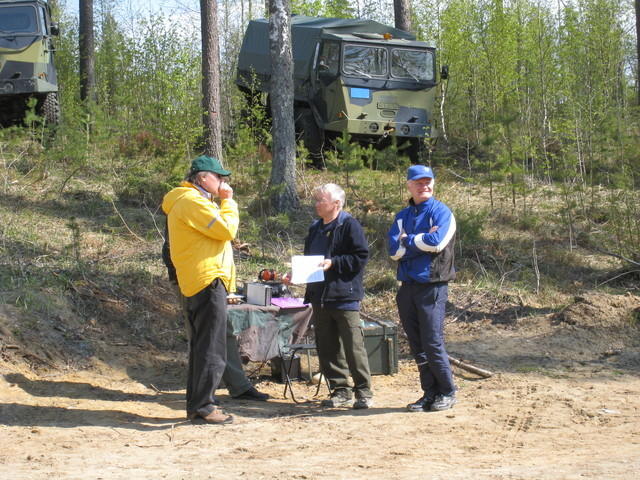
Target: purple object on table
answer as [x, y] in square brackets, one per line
[287, 302]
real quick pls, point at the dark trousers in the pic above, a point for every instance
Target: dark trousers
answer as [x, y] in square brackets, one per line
[341, 350]
[234, 377]
[422, 310]
[207, 346]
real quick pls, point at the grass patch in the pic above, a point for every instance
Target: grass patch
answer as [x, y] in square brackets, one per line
[83, 249]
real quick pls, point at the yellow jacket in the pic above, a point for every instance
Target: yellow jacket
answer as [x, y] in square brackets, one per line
[200, 235]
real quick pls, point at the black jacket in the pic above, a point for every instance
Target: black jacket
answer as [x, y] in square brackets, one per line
[166, 256]
[348, 251]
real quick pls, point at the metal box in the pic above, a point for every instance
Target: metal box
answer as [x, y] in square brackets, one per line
[281, 365]
[381, 342]
[258, 293]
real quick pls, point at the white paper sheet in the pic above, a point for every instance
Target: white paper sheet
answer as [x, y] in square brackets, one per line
[307, 268]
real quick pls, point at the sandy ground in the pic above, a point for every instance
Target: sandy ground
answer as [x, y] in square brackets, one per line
[563, 403]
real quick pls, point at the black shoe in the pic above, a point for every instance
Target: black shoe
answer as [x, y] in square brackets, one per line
[253, 394]
[338, 399]
[423, 404]
[443, 402]
[363, 403]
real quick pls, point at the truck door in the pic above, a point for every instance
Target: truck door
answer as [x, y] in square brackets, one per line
[327, 69]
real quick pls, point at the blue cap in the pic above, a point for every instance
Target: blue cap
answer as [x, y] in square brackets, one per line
[416, 172]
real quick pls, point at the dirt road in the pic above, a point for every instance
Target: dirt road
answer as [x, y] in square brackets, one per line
[564, 403]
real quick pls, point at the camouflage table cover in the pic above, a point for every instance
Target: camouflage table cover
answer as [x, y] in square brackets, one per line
[263, 331]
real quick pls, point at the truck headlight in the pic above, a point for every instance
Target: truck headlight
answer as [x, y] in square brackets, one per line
[374, 127]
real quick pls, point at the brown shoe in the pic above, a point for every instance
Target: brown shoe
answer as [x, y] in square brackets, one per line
[217, 417]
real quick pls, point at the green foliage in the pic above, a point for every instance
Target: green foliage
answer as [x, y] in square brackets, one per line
[249, 162]
[147, 119]
[311, 8]
[380, 283]
[469, 227]
[328, 8]
[338, 8]
[623, 214]
[391, 157]
[347, 157]
[140, 186]
[31, 118]
[538, 92]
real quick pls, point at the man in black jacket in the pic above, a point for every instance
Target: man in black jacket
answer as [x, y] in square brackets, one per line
[336, 301]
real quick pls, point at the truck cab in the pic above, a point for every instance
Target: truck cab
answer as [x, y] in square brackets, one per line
[374, 87]
[371, 81]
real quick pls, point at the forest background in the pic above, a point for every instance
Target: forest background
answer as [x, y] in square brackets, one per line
[539, 91]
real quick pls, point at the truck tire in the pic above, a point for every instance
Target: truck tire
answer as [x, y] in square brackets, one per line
[51, 109]
[413, 149]
[312, 136]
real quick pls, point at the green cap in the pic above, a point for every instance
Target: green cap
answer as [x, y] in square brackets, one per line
[208, 164]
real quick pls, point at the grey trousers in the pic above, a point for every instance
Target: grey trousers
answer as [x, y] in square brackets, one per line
[341, 350]
[234, 378]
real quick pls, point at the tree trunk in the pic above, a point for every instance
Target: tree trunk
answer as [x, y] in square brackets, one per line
[637, 3]
[402, 12]
[211, 79]
[284, 196]
[87, 53]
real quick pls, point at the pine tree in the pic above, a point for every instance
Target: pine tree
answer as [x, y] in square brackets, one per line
[284, 197]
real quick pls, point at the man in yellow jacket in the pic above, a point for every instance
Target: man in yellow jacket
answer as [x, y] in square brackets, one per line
[200, 234]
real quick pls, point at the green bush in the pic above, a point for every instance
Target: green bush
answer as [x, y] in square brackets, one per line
[469, 227]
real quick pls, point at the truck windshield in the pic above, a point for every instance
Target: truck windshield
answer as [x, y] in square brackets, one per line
[414, 64]
[18, 19]
[364, 61]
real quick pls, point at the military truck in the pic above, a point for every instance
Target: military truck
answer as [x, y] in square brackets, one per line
[361, 77]
[26, 60]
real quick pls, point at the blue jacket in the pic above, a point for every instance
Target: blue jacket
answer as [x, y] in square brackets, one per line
[424, 257]
[348, 251]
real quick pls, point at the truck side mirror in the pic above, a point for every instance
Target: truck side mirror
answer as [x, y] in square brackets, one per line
[444, 73]
[54, 29]
[325, 71]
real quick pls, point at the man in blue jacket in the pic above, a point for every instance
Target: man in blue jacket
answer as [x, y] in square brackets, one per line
[421, 240]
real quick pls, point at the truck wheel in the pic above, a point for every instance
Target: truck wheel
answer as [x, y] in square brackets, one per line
[413, 150]
[51, 108]
[312, 136]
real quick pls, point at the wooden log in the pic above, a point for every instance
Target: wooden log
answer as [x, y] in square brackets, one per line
[454, 361]
[470, 368]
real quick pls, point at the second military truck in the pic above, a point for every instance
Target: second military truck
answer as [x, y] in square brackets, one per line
[361, 77]
[27, 69]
